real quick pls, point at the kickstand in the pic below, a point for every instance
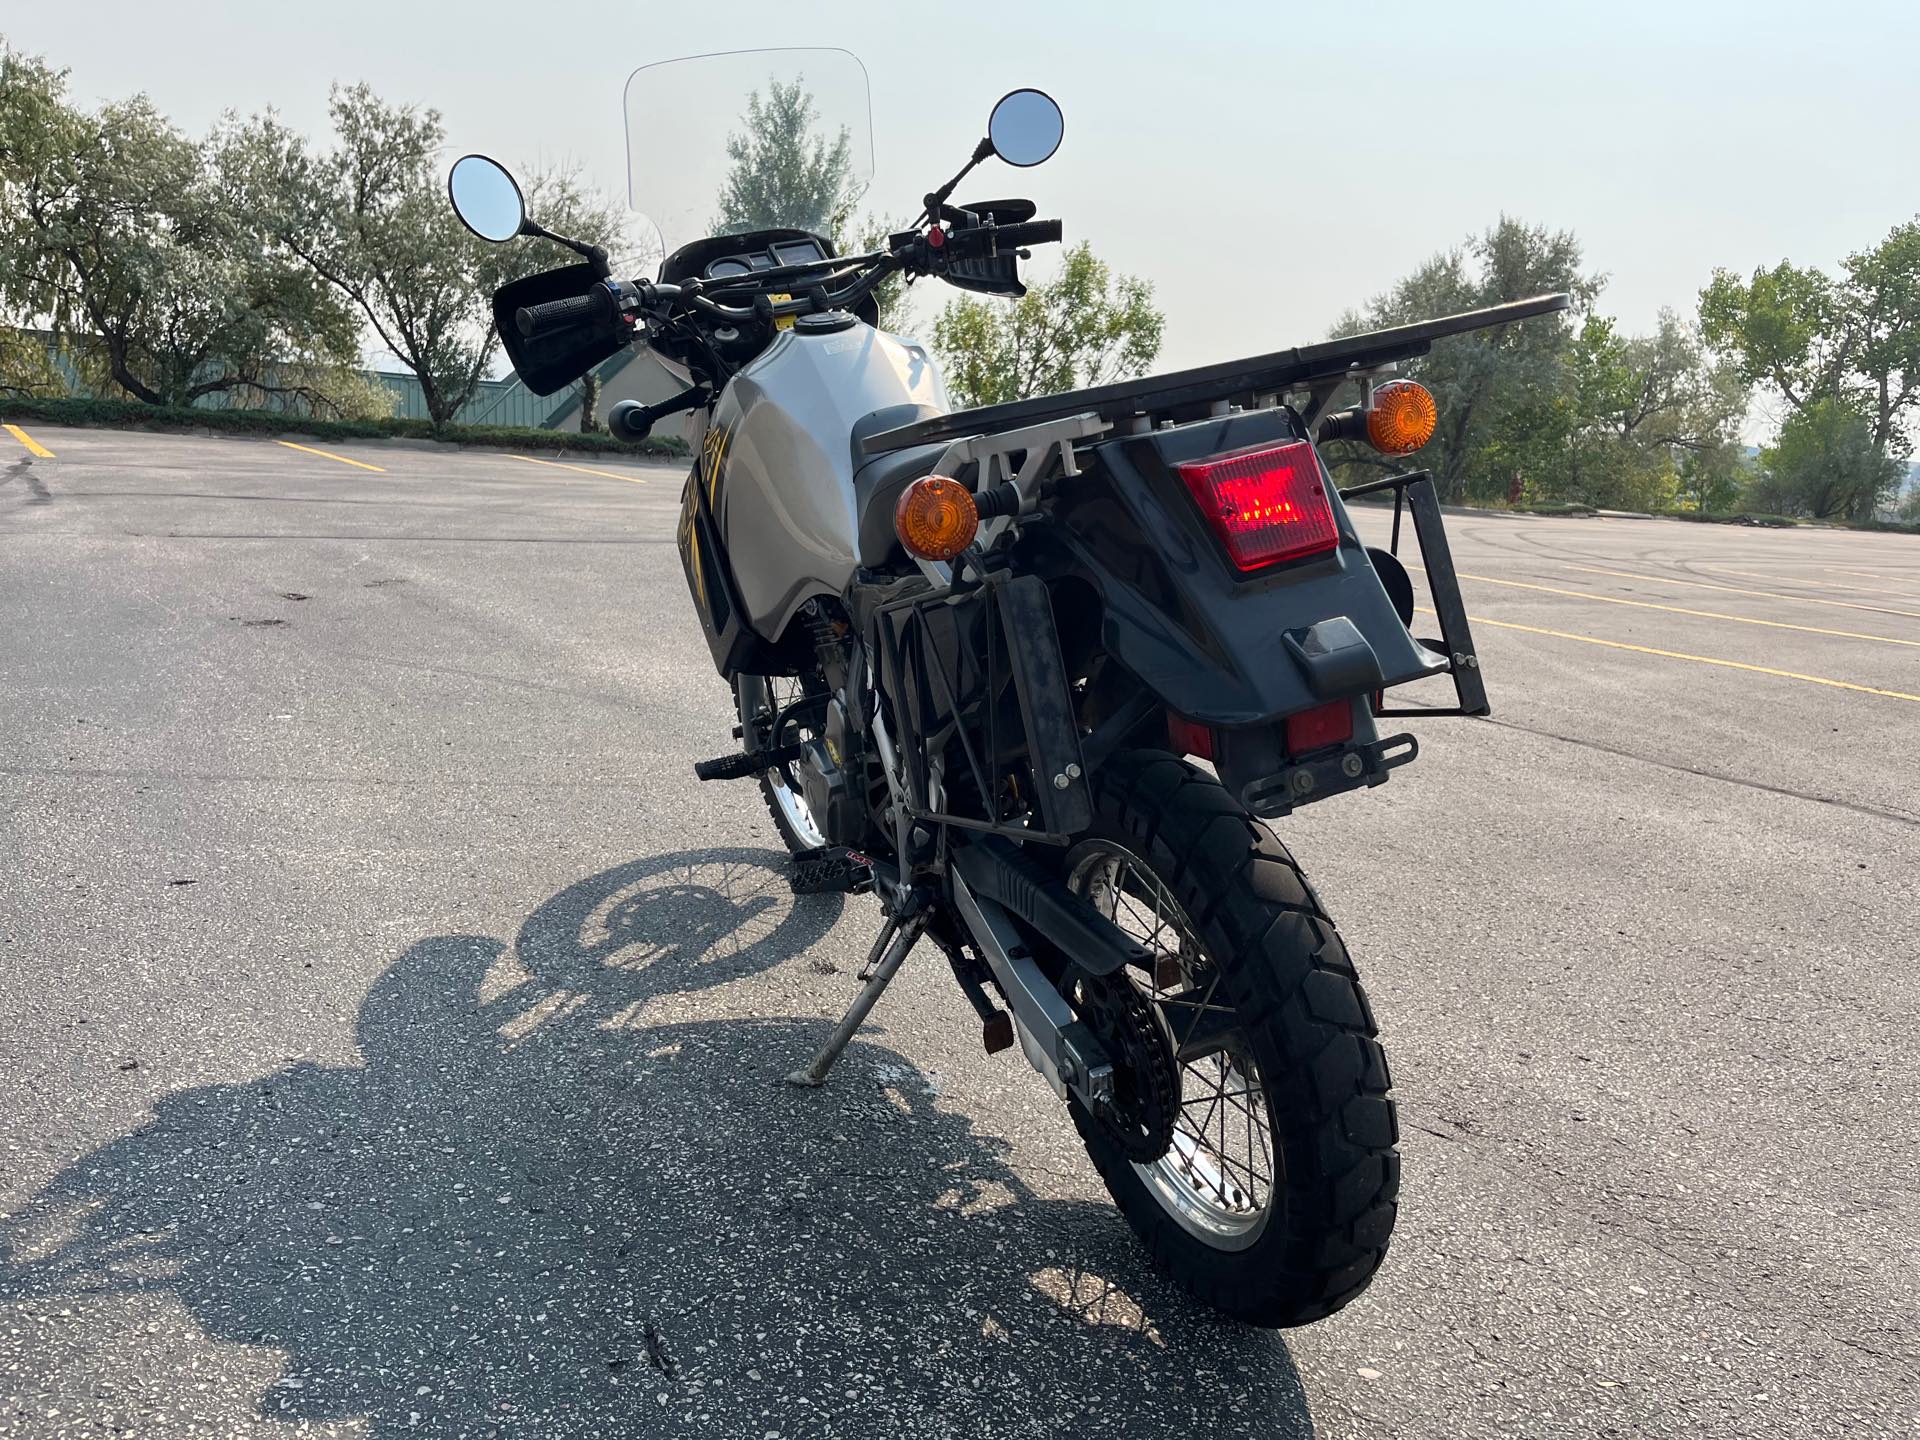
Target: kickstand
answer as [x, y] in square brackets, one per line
[883, 960]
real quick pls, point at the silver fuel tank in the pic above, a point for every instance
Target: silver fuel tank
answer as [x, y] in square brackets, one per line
[780, 461]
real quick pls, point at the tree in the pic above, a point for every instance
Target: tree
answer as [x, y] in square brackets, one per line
[370, 219]
[1909, 506]
[1084, 327]
[784, 175]
[1499, 390]
[118, 232]
[1825, 463]
[1639, 408]
[1819, 341]
[787, 175]
[590, 402]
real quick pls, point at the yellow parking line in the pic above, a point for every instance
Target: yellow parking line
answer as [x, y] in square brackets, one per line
[1809, 580]
[329, 455]
[33, 446]
[1682, 610]
[583, 469]
[1696, 659]
[1888, 579]
[1736, 590]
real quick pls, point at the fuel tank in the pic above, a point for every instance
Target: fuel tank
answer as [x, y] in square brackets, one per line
[778, 458]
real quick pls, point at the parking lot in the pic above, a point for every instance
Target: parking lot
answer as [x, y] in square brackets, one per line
[391, 1028]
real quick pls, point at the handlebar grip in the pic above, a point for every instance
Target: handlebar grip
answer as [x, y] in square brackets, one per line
[532, 320]
[1029, 232]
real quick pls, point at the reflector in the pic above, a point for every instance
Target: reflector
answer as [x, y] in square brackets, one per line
[1319, 727]
[1266, 505]
[1189, 737]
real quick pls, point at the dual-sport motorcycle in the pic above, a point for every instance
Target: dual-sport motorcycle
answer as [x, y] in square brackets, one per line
[1036, 674]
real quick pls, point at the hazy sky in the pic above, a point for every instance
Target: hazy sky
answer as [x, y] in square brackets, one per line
[1265, 165]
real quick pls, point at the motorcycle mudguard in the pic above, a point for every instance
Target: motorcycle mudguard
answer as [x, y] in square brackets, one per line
[1221, 648]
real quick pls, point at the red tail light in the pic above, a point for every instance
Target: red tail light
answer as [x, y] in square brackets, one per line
[1266, 505]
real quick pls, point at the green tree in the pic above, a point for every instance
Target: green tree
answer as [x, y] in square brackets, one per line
[1085, 326]
[119, 233]
[1825, 463]
[369, 218]
[1909, 507]
[1500, 391]
[26, 365]
[1818, 341]
[1639, 409]
[785, 174]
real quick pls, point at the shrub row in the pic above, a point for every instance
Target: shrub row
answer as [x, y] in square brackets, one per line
[133, 415]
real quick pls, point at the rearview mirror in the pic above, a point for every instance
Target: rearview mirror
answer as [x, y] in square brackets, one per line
[1026, 127]
[486, 198]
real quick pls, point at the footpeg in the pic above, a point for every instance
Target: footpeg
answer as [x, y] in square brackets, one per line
[746, 764]
[837, 871]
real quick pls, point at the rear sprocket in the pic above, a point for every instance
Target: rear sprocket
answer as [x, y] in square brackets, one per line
[1146, 1091]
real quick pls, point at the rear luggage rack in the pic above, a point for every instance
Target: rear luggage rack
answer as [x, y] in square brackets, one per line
[1189, 394]
[1414, 492]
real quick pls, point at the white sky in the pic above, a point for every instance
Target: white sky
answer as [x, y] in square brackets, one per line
[1266, 165]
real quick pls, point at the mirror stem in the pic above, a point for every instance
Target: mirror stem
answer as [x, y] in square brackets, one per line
[939, 197]
[596, 255]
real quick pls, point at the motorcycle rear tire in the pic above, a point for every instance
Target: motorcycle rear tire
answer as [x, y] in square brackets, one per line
[1307, 1037]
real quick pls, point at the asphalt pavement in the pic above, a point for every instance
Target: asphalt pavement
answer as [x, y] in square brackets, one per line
[391, 1029]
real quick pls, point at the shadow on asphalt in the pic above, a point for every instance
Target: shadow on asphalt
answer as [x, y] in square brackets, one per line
[543, 1205]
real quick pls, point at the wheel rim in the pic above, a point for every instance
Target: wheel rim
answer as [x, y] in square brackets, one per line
[761, 698]
[1217, 1179]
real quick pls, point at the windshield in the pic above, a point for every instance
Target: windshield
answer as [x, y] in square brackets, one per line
[749, 140]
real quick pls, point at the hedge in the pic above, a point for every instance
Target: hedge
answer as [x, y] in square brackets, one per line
[132, 414]
[1730, 517]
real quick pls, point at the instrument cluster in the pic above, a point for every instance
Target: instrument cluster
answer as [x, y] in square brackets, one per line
[780, 252]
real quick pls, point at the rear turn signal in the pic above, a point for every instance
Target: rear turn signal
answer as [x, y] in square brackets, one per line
[1402, 417]
[936, 518]
[1265, 505]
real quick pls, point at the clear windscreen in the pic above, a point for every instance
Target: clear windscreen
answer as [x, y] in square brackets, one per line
[749, 140]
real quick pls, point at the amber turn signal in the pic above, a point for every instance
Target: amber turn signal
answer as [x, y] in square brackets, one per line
[1401, 417]
[936, 518]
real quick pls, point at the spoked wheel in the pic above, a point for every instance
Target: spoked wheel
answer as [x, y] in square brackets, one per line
[765, 702]
[1269, 1189]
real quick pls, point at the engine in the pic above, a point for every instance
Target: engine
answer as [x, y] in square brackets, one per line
[833, 774]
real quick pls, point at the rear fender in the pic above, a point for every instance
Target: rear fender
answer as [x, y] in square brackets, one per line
[1223, 649]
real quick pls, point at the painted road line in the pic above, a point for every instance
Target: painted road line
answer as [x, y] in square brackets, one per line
[329, 455]
[583, 469]
[33, 445]
[1809, 580]
[1682, 610]
[1736, 590]
[1682, 655]
[1871, 575]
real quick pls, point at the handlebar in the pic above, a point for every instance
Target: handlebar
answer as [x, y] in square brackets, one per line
[610, 299]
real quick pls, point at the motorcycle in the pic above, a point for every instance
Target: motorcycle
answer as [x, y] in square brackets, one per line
[1037, 675]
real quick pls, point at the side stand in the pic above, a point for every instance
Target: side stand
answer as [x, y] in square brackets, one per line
[889, 950]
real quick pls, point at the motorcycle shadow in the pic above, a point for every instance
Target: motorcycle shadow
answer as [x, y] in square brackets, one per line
[549, 1203]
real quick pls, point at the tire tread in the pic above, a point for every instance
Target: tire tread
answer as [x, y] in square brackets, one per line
[1288, 974]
